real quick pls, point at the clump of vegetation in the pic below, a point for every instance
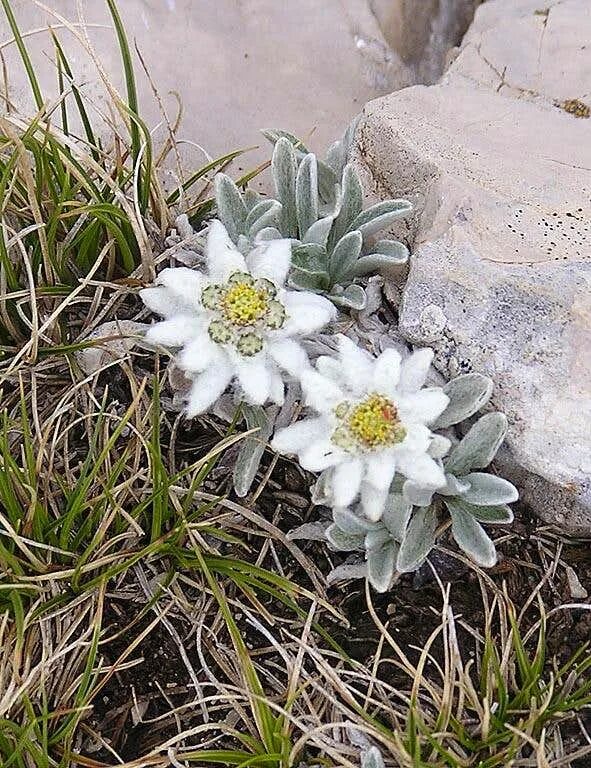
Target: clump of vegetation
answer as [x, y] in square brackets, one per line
[149, 614]
[318, 206]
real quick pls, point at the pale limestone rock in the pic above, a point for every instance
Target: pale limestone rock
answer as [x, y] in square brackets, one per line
[501, 179]
[237, 66]
[423, 32]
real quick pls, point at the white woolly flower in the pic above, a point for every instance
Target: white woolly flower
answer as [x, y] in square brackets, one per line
[235, 322]
[373, 417]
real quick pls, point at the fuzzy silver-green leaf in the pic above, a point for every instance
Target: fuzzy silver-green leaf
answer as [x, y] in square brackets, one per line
[307, 193]
[479, 446]
[488, 490]
[380, 566]
[467, 395]
[418, 541]
[470, 535]
[351, 523]
[284, 169]
[353, 297]
[380, 216]
[252, 448]
[343, 541]
[231, 209]
[351, 204]
[345, 254]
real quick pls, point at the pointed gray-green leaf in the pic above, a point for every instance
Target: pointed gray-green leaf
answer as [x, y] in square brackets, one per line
[231, 209]
[454, 486]
[396, 515]
[321, 490]
[307, 193]
[376, 264]
[470, 535]
[309, 281]
[346, 572]
[351, 204]
[346, 252]
[343, 541]
[308, 532]
[418, 541]
[273, 135]
[327, 183]
[268, 233]
[380, 566]
[497, 514]
[244, 245]
[353, 297]
[377, 538]
[251, 197]
[467, 395]
[380, 216]
[252, 448]
[284, 169]
[310, 257]
[352, 523]
[479, 446]
[372, 759]
[319, 231]
[488, 490]
[263, 214]
[387, 256]
[338, 153]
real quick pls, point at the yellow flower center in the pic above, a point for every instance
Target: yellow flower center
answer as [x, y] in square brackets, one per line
[244, 304]
[372, 423]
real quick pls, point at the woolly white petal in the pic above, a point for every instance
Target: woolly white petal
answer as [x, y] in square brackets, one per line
[417, 440]
[208, 386]
[423, 406]
[184, 284]
[297, 436]
[271, 260]
[277, 388]
[321, 455]
[199, 354]
[330, 368]
[386, 372]
[306, 312]
[255, 379]
[161, 301]
[414, 370]
[357, 365]
[380, 469]
[421, 469]
[346, 482]
[289, 355]
[174, 332]
[222, 256]
[373, 501]
[321, 393]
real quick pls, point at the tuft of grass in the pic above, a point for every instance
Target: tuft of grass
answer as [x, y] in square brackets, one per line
[502, 703]
[71, 206]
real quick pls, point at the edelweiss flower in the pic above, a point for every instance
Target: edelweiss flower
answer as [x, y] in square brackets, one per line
[372, 422]
[235, 322]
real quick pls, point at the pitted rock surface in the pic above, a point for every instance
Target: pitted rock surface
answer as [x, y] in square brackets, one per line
[500, 277]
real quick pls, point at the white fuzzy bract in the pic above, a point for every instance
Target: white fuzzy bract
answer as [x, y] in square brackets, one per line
[237, 322]
[372, 422]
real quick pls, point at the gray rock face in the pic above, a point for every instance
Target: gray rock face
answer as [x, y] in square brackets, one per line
[500, 279]
[242, 65]
[423, 32]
